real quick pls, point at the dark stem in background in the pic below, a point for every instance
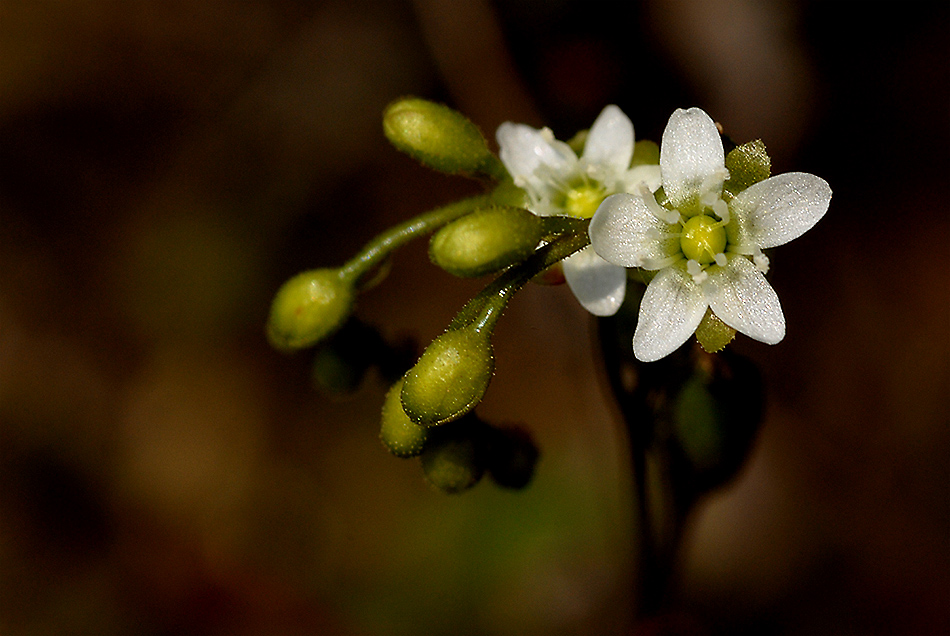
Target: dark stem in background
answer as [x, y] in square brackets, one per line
[674, 463]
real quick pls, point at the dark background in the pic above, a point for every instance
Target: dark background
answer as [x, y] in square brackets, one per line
[165, 165]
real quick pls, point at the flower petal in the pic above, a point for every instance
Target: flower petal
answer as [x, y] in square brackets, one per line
[671, 309]
[609, 145]
[524, 150]
[648, 174]
[691, 158]
[781, 208]
[598, 285]
[741, 297]
[624, 232]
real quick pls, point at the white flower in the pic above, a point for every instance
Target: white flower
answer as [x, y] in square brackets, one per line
[708, 252]
[559, 183]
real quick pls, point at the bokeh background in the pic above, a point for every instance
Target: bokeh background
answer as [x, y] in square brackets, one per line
[166, 164]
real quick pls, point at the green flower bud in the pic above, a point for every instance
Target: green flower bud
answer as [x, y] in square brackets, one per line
[450, 378]
[308, 308]
[452, 461]
[438, 137]
[486, 241]
[402, 436]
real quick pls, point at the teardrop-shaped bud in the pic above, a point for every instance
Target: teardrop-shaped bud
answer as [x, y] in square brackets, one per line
[450, 378]
[438, 137]
[486, 241]
[308, 308]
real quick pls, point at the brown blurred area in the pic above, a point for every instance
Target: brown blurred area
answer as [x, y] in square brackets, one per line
[164, 166]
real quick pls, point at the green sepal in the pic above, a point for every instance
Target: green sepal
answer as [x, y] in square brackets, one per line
[486, 241]
[713, 334]
[645, 153]
[507, 193]
[747, 164]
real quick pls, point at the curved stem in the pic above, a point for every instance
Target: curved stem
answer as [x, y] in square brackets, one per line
[486, 307]
[379, 248]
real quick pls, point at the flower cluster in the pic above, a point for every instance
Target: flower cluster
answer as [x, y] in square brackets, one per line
[694, 220]
[704, 242]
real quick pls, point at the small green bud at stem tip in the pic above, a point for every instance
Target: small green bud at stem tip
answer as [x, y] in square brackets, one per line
[450, 378]
[402, 436]
[486, 241]
[438, 137]
[308, 308]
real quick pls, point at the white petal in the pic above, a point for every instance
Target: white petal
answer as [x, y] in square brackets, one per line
[598, 285]
[691, 157]
[610, 141]
[624, 232]
[671, 309]
[524, 150]
[779, 209]
[648, 174]
[739, 294]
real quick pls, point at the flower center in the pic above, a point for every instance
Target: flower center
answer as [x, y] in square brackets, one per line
[703, 238]
[582, 201]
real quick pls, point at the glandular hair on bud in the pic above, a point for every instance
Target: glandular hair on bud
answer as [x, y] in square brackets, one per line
[308, 308]
[450, 378]
[486, 241]
[399, 434]
[436, 135]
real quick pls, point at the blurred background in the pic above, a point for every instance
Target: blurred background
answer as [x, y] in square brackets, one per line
[165, 165]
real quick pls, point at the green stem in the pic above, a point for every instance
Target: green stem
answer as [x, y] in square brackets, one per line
[377, 250]
[484, 310]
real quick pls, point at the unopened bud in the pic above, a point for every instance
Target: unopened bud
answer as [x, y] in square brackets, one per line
[437, 136]
[452, 461]
[450, 378]
[308, 308]
[402, 436]
[486, 241]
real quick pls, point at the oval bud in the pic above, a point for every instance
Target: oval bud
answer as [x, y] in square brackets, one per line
[308, 308]
[399, 434]
[437, 136]
[452, 462]
[450, 378]
[486, 241]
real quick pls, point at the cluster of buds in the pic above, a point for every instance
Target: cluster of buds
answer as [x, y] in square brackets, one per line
[691, 219]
